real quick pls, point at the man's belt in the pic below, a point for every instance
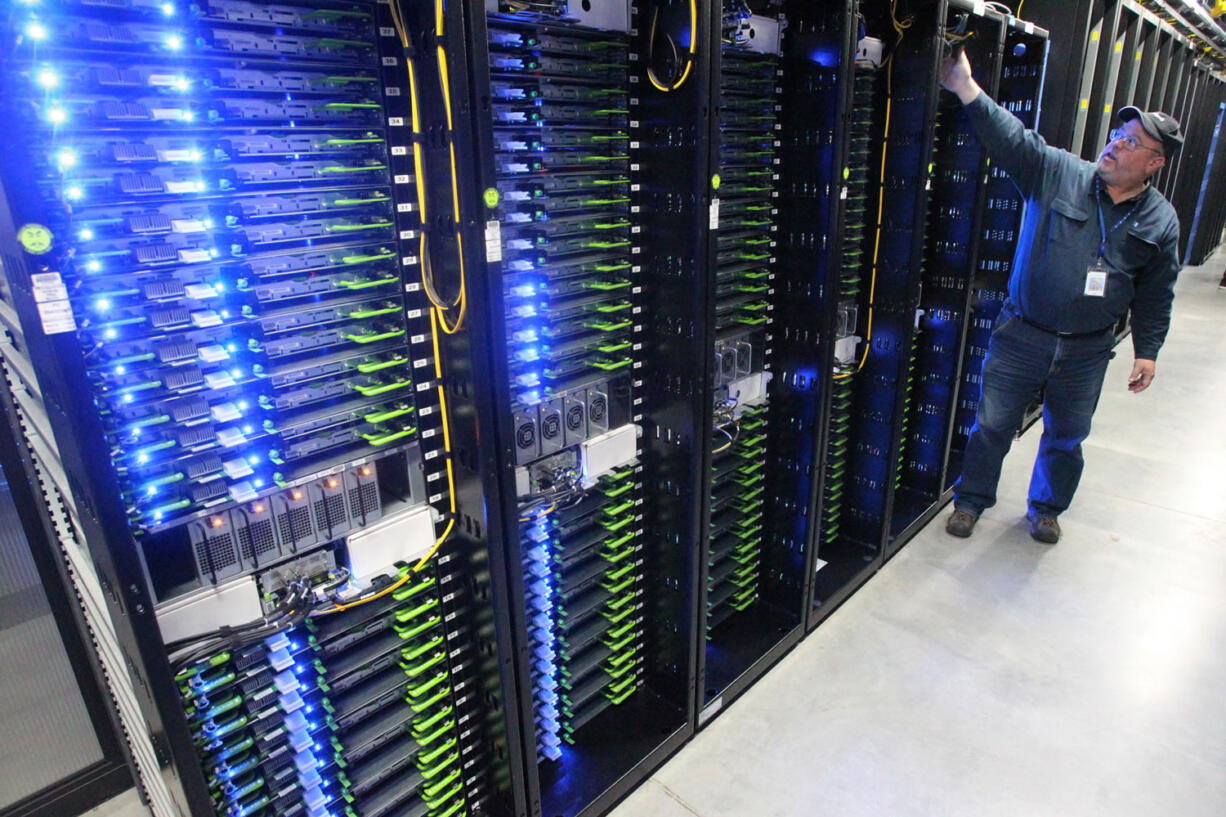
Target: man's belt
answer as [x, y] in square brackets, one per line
[1043, 328]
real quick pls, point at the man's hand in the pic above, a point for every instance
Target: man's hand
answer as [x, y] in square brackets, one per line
[1142, 375]
[956, 77]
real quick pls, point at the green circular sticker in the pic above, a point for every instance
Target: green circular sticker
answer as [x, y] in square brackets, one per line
[846, 173]
[34, 238]
[715, 182]
[491, 197]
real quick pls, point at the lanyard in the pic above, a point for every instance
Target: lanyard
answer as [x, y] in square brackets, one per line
[1102, 225]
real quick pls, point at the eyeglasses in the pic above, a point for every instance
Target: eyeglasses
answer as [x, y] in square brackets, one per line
[1128, 141]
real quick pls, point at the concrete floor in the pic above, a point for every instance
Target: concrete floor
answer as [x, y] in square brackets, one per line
[998, 676]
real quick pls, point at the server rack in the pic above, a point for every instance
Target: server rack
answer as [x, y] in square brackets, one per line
[1210, 215]
[221, 354]
[1020, 89]
[893, 120]
[1103, 79]
[955, 232]
[586, 185]
[764, 328]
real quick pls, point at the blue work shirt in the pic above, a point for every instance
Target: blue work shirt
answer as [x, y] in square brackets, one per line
[1060, 237]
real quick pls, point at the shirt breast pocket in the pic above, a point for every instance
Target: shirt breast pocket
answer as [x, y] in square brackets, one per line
[1066, 234]
[1136, 251]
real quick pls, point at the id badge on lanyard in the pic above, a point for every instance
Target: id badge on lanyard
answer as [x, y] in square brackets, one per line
[1096, 278]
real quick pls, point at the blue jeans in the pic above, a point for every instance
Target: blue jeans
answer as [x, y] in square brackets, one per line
[1021, 360]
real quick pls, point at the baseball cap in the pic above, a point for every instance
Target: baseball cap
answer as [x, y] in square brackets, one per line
[1161, 126]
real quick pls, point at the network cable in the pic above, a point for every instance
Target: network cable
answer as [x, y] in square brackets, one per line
[667, 86]
[459, 303]
[900, 28]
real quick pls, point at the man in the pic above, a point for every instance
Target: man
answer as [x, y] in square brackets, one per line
[1095, 240]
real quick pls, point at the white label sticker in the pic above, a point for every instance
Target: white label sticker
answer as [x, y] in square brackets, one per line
[404, 207]
[392, 90]
[1029, 28]
[980, 7]
[713, 215]
[395, 121]
[389, 61]
[57, 317]
[48, 286]
[399, 150]
[402, 178]
[1096, 283]
[384, 31]
[493, 241]
[405, 235]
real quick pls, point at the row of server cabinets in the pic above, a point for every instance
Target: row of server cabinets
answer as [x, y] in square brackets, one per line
[1114, 53]
[453, 406]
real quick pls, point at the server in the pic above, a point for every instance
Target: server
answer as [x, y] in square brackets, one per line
[887, 79]
[763, 403]
[596, 584]
[956, 210]
[1020, 82]
[222, 349]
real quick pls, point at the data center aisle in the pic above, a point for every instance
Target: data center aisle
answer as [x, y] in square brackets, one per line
[998, 676]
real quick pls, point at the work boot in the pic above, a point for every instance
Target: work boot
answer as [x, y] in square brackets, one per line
[961, 523]
[1043, 529]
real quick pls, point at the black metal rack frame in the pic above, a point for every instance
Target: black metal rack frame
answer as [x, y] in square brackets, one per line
[616, 751]
[880, 381]
[472, 629]
[954, 229]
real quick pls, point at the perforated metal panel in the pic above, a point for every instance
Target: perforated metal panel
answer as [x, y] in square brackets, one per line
[328, 508]
[215, 547]
[257, 535]
[363, 495]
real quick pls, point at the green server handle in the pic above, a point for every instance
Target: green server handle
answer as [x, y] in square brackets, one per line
[371, 391]
[395, 333]
[421, 706]
[416, 692]
[367, 368]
